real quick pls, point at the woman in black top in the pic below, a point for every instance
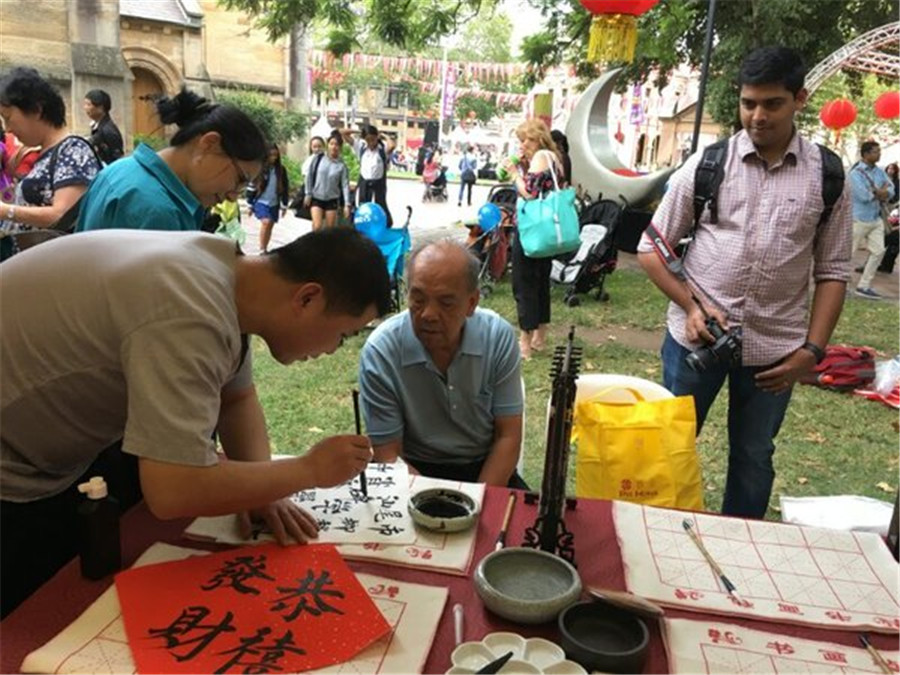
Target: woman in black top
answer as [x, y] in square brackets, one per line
[562, 149]
[105, 136]
[533, 177]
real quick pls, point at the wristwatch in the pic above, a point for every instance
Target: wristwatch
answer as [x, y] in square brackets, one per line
[816, 350]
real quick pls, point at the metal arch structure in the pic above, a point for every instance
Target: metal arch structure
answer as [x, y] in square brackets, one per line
[872, 52]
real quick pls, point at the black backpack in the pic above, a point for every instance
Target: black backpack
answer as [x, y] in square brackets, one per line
[710, 172]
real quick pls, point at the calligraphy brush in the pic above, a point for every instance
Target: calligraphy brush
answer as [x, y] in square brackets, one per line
[362, 475]
[495, 665]
[876, 655]
[726, 582]
[504, 528]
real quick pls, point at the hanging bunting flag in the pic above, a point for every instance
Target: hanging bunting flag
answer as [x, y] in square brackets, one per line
[429, 68]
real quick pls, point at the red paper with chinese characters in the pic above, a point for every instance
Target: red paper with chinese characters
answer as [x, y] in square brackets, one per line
[254, 609]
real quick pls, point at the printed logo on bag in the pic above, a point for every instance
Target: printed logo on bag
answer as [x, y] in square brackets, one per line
[641, 490]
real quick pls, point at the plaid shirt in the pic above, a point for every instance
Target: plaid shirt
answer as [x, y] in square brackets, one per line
[755, 263]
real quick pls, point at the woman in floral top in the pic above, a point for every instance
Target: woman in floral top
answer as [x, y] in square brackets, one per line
[531, 276]
[35, 112]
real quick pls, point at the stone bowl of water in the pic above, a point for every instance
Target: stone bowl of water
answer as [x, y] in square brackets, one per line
[526, 585]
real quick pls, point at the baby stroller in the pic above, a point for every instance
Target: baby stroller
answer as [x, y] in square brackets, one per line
[435, 178]
[597, 256]
[505, 196]
[394, 243]
[491, 246]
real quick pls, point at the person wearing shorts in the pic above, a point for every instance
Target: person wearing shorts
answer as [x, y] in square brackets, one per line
[328, 185]
[272, 197]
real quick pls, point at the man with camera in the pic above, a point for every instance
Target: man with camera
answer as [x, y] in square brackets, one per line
[740, 290]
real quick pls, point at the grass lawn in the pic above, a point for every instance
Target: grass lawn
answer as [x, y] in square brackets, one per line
[829, 444]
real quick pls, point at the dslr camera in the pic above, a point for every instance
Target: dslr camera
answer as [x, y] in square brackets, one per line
[725, 350]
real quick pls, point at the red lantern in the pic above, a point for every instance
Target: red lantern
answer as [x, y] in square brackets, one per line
[838, 114]
[614, 28]
[887, 106]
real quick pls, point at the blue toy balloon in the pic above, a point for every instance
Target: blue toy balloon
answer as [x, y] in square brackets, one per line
[370, 217]
[489, 216]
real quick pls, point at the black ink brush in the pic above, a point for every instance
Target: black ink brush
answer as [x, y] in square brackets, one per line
[362, 475]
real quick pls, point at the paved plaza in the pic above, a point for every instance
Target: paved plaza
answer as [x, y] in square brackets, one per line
[430, 221]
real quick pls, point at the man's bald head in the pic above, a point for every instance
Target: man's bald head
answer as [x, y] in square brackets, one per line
[449, 255]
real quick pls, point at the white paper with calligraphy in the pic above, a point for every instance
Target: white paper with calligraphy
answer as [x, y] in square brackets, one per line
[721, 648]
[344, 515]
[785, 573]
[448, 553]
[96, 642]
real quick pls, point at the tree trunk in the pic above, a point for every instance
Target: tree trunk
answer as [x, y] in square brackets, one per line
[298, 87]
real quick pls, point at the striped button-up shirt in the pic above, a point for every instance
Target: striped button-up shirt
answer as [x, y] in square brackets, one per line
[755, 263]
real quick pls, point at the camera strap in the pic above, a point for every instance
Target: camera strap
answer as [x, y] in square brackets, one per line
[674, 264]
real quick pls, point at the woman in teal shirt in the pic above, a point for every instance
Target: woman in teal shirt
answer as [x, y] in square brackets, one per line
[213, 156]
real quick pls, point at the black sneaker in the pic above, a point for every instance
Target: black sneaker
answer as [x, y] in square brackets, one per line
[869, 293]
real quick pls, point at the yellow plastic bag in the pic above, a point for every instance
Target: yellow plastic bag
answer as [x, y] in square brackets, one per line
[642, 452]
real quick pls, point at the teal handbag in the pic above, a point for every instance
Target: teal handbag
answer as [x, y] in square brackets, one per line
[548, 226]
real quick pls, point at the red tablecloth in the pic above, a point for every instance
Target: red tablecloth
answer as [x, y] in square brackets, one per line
[61, 600]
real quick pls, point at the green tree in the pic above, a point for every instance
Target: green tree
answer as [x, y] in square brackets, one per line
[673, 32]
[279, 126]
[487, 37]
[400, 23]
[417, 99]
[486, 109]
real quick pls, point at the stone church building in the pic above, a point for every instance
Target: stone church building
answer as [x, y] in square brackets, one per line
[137, 50]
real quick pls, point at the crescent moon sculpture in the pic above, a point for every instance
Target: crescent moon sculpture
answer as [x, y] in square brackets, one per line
[594, 161]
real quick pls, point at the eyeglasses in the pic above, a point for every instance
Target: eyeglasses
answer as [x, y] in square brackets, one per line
[243, 180]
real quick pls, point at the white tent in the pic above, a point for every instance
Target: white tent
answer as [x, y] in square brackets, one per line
[321, 128]
[475, 135]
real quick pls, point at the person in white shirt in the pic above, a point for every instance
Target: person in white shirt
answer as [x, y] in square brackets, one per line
[373, 166]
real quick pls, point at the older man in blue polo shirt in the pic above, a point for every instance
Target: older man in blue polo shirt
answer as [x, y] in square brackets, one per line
[440, 383]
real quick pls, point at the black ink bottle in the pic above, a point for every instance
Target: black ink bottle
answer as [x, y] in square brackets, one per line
[98, 522]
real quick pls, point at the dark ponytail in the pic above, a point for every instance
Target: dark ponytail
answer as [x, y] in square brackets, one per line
[195, 116]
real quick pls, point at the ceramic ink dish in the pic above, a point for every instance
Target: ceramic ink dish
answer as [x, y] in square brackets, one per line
[443, 510]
